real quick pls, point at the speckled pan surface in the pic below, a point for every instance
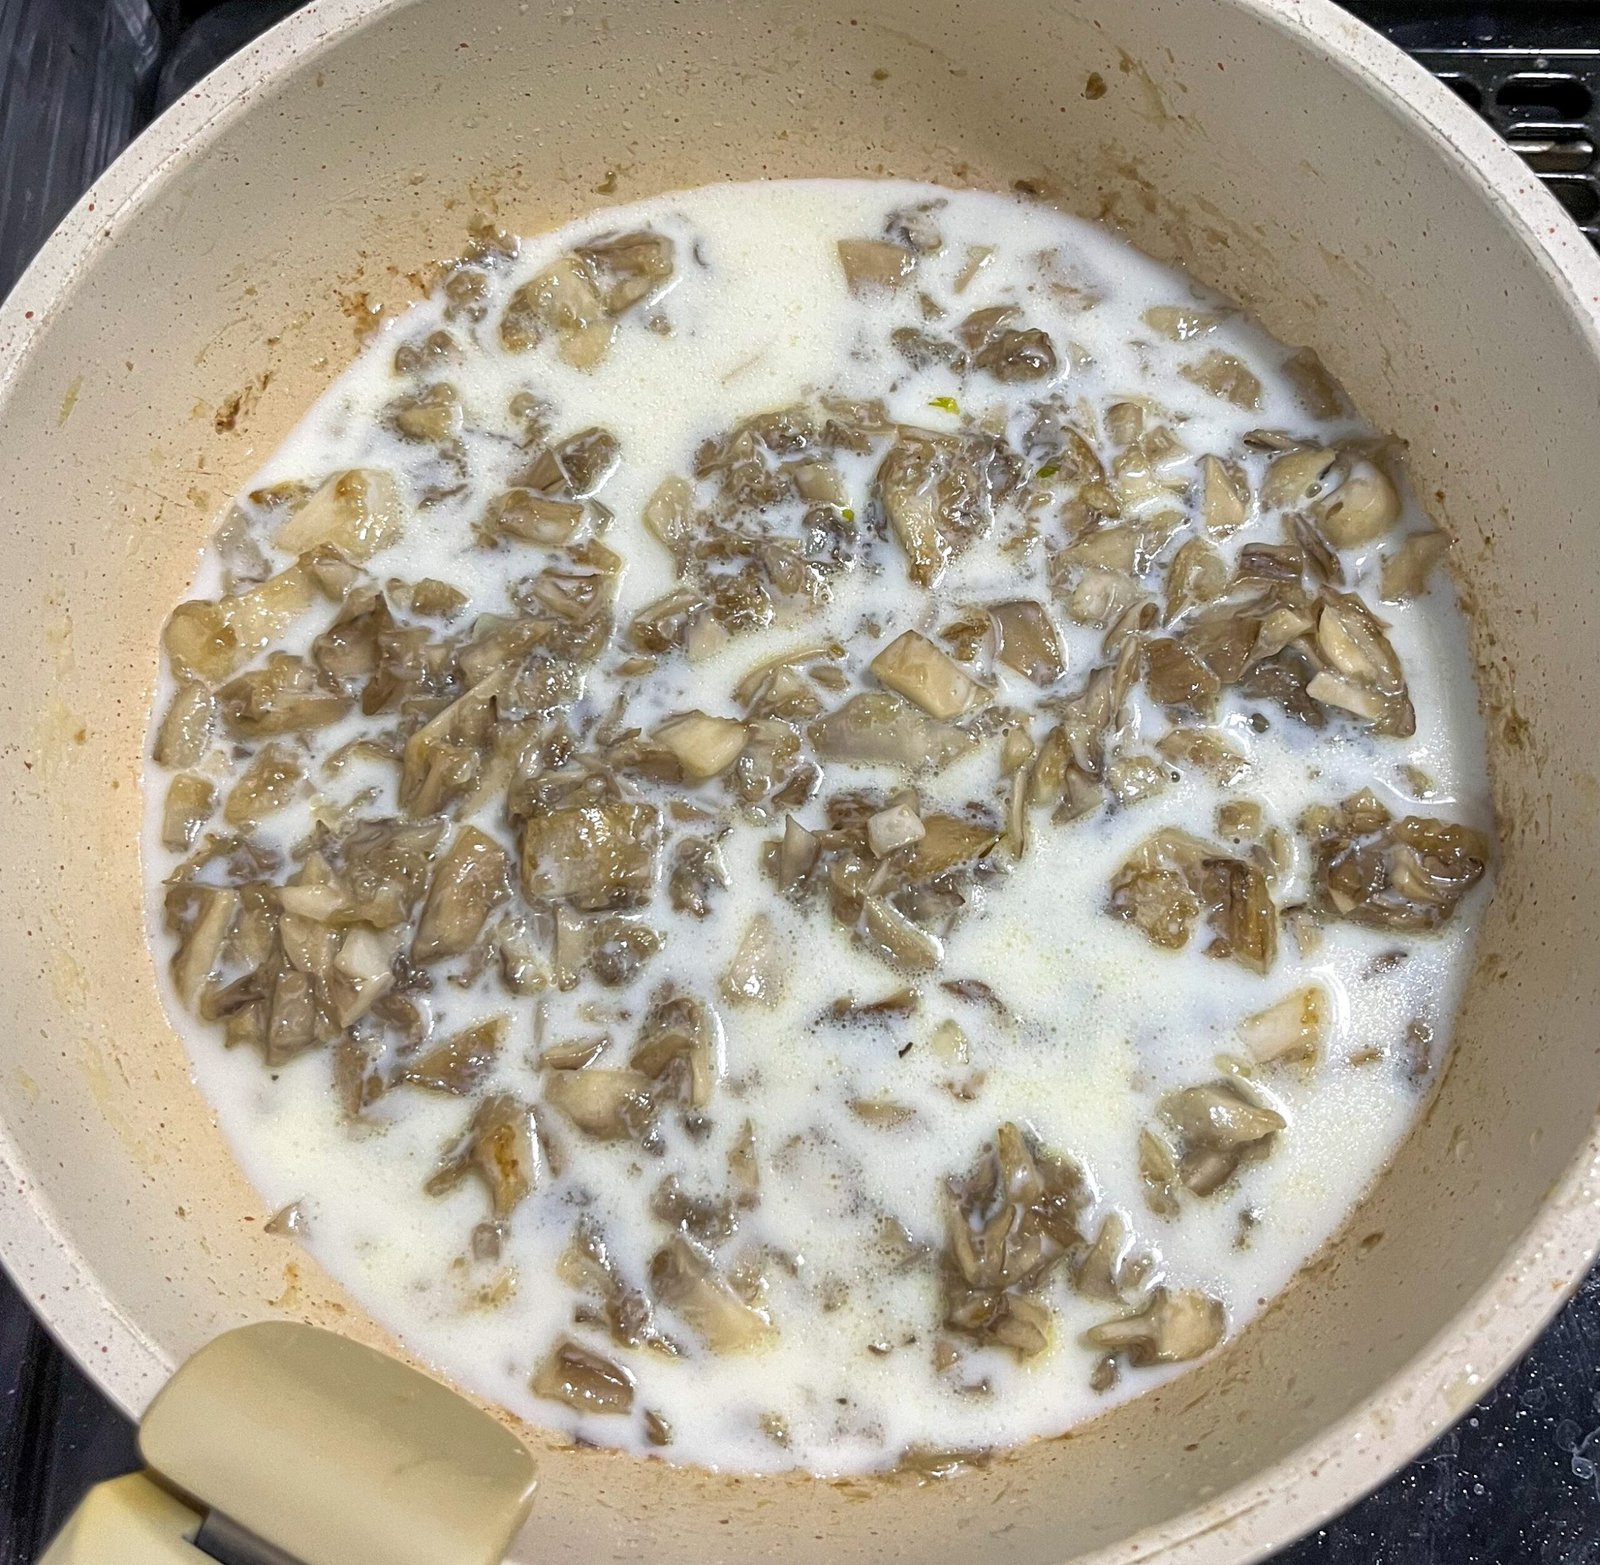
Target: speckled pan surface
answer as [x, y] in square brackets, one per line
[203, 292]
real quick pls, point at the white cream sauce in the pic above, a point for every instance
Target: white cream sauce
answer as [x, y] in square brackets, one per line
[1104, 1022]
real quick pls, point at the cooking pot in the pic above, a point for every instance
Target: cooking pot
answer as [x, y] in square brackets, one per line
[213, 281]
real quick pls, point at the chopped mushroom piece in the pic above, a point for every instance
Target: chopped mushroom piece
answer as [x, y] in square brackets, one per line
[665, 623]
[704, 746]
[1180, 322]
[564, 299]
[1226, 376]
[631, 268]
[435, 599]
[577, 466]
[200, 941]
[697, 871]
[1270, 562]
[1406, 571]
[1241, 820]
[1131, 778]
[1307, 533]
[1322, 395]
[463, 1062]
[1407, 874]
[1007, 1225]
[819, 479]
[882, 728]
[212, 640]
[669, 513]
[926, 1464]
[573, 1054]
[186, 729]
[679, 1048]
[1164, 886]
[434, 415]
[290, 1221]
[778, 689]
[949, 1043]
[1224, 496]
[1101, 597]
[1294, 1029]
[1016, 750]
[1174, 1326]
[892, 937]
[1121, 548]
[871, 264]
[1177, 678]
[880, 1112]
[583, 1380]
[499, 1147]
[1217, 1126]
[443, 760]
[1362, 509]
[363, 973]
[356, 512]
[1299, 478]
[984, 326]
[939, 492]
[610, 949]
[744, 1169]
[190, 801]
[1205, 749]
[913, 667]
[797, 856]
[1102, 1271]
[332, 573]
[1156, 888]
[1158, 1173]
[354, 646]
[265, 786]
[283, 697]
[914, 227]
[470, 882]
[1012, 356]
[525, 516]
[1244, 918]
[609, 1105]
[1364, 675]
[1125, 421]
[948, 841]
[893, 828]
[683, 1279]
[291, 1021]
[756, 974]
[520, 955]
[386, 864]
[710, 1219]
[1146, 473]
[587, 1264]
[1196, 575]
[1027, 640]
[594, 856]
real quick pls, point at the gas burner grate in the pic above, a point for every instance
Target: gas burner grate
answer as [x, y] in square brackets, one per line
[1546, 105]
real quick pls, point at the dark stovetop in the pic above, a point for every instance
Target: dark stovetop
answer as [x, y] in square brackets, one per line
[1517, 1481]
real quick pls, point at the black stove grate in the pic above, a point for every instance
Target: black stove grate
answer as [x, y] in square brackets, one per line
[1517, 1481]
[1547, 105]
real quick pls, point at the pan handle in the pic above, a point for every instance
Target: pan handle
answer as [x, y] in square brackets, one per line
[131, 1520]
[282, 1444]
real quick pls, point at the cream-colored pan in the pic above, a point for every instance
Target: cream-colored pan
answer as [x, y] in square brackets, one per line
[211, 283]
